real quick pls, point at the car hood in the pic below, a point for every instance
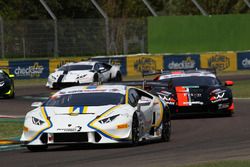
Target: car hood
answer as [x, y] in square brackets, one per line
[79, 110]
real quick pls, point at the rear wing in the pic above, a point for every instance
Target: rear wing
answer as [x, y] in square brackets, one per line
[157, 72]
[145, 84]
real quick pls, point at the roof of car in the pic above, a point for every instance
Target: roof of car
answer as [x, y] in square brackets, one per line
[94, 89]
[83, 63]
[186, 73]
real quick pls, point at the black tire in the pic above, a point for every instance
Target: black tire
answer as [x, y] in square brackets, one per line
[118, 77]
[228, 113]
[96, 79]
[166, 129]
[135, 130]
[12, 93]
[35, 148]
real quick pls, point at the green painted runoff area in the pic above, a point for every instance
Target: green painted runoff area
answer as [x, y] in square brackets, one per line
[195, 34]
[229, 163]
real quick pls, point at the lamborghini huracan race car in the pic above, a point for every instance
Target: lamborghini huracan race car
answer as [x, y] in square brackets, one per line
[96, 114]
[72, 74]
[195, 91]
[6, 85]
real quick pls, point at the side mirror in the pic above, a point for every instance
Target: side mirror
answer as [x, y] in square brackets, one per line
[229, 83]
[143, 102]
[36, 104]
[11, 75]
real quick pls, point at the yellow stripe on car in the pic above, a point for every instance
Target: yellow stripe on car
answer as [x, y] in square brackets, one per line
[158, 123]
[85, 110]
[101, 117]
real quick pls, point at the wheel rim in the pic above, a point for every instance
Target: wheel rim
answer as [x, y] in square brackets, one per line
[166, 130]
[135, 132]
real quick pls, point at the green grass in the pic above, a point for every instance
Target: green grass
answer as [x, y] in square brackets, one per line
[231, 163]
[30, 82]
[241, 88]
[10, 128]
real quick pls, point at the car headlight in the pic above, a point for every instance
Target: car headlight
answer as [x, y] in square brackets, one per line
[108, 120]
[53, 77]
[37, 121]
[217, 96]
[81, 76]
[1, 83]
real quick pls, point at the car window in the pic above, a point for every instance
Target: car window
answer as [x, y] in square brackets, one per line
[133, 97]
[86, 99]
[75, 67]
[106, 66]
[193, 81]
[96, 67]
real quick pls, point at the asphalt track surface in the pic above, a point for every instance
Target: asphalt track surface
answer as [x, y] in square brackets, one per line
[193, 140]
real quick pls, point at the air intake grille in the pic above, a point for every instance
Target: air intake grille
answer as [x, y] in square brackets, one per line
[70, 137]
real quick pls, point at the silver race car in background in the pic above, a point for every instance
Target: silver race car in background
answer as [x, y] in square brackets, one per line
[72, 74]
[96, 114]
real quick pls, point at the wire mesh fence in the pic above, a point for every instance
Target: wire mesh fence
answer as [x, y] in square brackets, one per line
[78, 37]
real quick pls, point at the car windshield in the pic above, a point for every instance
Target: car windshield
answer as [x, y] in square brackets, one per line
[193, 81]
[75, 67]
[86, 99]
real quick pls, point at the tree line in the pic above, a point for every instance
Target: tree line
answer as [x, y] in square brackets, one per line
[74, 9]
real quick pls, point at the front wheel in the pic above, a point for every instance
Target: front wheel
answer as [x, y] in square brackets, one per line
[135, 130]
[166, 130]
[12, 93]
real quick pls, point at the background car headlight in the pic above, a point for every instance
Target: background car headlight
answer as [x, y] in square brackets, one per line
[37, 121]
[1, 83]
[53, 77]
[108, 120]
[81, 76]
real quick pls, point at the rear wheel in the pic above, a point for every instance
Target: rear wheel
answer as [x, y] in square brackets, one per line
[166, 129]
[34, 148]
[118, 77]
[135, 130]
[96, 79]
[228, 113]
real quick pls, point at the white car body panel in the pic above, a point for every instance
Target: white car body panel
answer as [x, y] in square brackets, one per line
[90, 119]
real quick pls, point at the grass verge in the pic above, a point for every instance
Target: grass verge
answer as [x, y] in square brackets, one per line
[30, 82]
[241, 89]
[231, 163]
[10, 128]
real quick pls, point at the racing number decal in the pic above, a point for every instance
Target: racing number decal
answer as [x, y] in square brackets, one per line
[182, 96]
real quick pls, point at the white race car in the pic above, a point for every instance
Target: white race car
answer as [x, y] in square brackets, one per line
[83, 72]
[96, 114]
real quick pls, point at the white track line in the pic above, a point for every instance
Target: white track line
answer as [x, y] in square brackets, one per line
[241, 98]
